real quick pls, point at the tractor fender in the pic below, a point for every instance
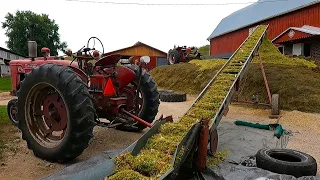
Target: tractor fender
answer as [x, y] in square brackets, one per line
[80, 73]
[125, 76]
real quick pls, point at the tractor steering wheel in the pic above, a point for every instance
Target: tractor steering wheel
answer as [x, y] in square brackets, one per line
[91, 52]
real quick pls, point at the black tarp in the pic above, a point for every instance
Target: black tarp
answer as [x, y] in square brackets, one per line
[240, 142]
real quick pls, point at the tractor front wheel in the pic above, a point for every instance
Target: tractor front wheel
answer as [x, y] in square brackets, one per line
[12, 111]
[56, 114]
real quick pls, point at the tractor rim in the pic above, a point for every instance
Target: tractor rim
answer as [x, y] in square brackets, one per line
[13, 113]
[46, 115]
[171, 59]
[130, 92]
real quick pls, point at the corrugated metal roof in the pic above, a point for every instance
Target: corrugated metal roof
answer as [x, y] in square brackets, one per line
[256, 12]
[306, 29]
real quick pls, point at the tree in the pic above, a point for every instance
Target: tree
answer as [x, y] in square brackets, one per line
[45, 32]
[204, 50]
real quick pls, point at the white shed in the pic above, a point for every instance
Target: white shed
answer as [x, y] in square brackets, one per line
[5, 57]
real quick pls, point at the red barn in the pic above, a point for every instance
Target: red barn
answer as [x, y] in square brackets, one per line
[157, 57]
[294, 27]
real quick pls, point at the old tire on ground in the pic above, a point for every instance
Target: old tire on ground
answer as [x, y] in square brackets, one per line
[275, 110]
[54, 99]
[12, 111]
[166, 91]
[173, 57]
[150, 97]
[162, 92]
[286, 161]
[173, 97]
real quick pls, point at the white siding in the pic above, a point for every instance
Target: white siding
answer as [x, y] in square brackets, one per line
[8, 55]
[4, 70]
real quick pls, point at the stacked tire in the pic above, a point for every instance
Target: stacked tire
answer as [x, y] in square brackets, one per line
[171, 96]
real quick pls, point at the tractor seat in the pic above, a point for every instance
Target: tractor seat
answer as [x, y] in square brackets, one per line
[108, 60]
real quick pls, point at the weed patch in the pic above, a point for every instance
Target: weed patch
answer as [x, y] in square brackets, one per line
[3, 115]
[5, 84]
[3, 120]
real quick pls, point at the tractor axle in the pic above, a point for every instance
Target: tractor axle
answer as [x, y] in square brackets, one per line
[136, 118]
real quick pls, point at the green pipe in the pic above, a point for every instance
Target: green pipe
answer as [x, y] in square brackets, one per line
[256, 125]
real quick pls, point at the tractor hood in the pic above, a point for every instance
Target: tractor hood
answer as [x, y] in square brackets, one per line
[25, 65]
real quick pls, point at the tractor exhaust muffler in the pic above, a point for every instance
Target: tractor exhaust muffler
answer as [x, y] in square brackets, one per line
[32, 48]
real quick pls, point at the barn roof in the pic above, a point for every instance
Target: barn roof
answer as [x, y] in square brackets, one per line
[257, 12]
[136, 45]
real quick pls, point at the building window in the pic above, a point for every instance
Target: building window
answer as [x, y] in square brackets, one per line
[8, 55]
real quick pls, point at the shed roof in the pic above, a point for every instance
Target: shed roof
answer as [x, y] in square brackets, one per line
[257, 12]
[7, 50]
[306, 29]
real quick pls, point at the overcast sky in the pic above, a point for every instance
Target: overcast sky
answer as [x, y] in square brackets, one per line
[120, 26]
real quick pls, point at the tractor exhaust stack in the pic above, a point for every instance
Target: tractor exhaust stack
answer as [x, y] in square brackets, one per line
[32, 49]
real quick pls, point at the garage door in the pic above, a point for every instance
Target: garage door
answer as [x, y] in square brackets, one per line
[161, 61]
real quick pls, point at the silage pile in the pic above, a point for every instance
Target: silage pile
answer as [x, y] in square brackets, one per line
[156, 157]
[190, 78]
[271, 55]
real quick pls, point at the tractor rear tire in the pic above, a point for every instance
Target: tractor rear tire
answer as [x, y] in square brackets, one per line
[148, 88]
[39, 117]
[173, 57]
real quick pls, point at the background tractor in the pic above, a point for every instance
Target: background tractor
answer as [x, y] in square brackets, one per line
[183, 54]
[59, 102]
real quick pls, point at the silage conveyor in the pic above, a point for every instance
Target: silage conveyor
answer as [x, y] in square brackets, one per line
[213, 101]
[199, 123]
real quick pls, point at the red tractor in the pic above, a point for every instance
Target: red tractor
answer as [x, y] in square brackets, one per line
[59, 101]
[183, 54]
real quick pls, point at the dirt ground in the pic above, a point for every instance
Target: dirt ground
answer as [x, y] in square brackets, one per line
[20, 163]
[5, 98]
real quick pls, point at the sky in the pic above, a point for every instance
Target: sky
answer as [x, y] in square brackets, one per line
[120, 26]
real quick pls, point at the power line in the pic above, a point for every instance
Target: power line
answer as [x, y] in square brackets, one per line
[166, 4]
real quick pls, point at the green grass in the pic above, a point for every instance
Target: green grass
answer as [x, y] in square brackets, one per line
[3, 121]
[3, 115]
[5, 84]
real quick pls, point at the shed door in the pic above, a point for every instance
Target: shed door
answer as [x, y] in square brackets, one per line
[161, 61]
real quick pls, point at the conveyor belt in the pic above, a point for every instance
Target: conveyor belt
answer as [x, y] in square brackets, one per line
[212, 101]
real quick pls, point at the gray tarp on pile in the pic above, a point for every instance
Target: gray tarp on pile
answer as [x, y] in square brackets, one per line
[240, 142]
